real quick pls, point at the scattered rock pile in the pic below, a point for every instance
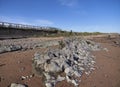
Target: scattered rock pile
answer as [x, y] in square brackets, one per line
[17, 45]
[67, 63]
[9, 48]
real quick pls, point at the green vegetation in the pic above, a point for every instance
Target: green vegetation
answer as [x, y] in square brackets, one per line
[59, 32]
[56, 32]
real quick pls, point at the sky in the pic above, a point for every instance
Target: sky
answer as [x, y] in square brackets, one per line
[75, 15]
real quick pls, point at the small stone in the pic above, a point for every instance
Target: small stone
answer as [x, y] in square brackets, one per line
[23, 68]
[23, 77]
[52, 67]
[68, 78]
[105, 49]
[49, 85]
[77, 74]
[82, 69]
[68, 70]
[93, 62]
[19, 62]
[75, 83]
[48, 77]
[87, 73]
[59, 78]
[92, 68]
[27, 77]
[31, 75]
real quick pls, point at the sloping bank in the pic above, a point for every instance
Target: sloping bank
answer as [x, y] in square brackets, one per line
[68, 62]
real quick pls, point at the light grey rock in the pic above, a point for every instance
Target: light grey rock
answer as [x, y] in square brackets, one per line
[81, 69]
[31, 76]
[23, 77]
[15, 47]
[75, 83]
[2, 49]
[68, 70]
[48, 77]
[105, 49]
[52, 67]
[76, 73]
[49, 84]
[68, 78]
[17, 85]
[59, 78]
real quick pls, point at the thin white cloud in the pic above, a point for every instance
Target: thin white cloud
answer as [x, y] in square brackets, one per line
[19, 20]
[22, 20]
[70, 3]
[81, 12]
[44, 22]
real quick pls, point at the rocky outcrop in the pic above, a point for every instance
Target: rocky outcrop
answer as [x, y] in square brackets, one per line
[73, 59]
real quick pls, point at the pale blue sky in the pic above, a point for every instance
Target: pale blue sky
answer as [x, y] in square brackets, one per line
[76, 15]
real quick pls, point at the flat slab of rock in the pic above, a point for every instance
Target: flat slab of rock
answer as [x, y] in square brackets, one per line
[17, 85]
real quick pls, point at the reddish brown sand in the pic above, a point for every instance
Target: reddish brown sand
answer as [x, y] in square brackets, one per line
[106, 74]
